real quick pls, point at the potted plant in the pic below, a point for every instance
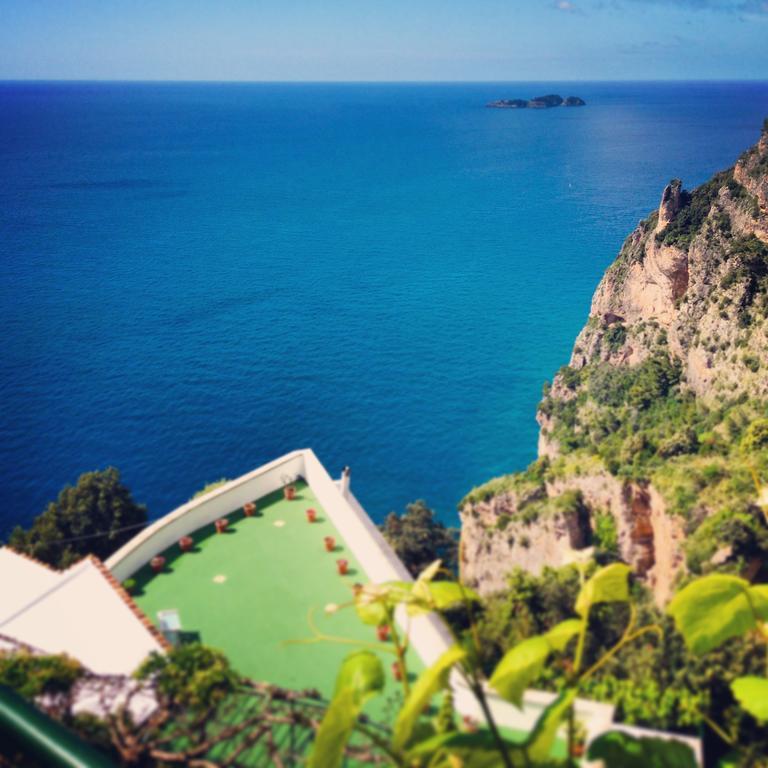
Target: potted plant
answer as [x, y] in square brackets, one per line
[221, 524]
[382, 632]
[311, 515]
[289, 489]
[186, 543]
[129, 585]
[579, 744]
[157, 563]
[249, 509]
[397, 671]
[330, 543]
[343, 566]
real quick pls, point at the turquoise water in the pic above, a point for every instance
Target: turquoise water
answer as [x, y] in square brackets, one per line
[196, 278]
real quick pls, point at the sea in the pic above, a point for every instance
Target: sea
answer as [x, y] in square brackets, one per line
[196, 278]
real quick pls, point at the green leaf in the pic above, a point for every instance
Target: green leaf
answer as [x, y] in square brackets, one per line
[606, 585]
[429, 572]
[334, 732]
[715, 608]
[360, 677]
[560, 634]
[620, 750]
[541, 739]
[759, 596]
[752, 693]
[468, 750]
[444, 594]
[519, 667]
[375, 602]
[362, 673]
[429, 683]
[439, 595]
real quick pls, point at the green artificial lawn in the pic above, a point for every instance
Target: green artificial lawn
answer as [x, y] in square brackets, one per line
[277, 579]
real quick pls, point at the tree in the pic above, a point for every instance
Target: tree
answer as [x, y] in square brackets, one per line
[97, 516]
[419, 538]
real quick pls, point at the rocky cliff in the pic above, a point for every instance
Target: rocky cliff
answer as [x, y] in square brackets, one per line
[651, 437]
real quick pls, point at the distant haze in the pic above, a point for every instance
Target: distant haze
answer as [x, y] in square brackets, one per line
[395, 40]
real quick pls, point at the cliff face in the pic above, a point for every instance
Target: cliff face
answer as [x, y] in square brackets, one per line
[655, 424]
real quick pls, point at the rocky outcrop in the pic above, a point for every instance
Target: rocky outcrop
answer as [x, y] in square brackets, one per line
[538, 102]
[496, 538]
[670, 204]
[688, 293]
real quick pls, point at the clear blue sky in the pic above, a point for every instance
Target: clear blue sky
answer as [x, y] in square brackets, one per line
[383, 39]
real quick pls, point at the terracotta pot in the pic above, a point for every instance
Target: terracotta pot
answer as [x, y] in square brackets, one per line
[397, 671]
[382, 632]
[157, 563]
[186, 543]
[357, 589]
[578, 750]
[469, 723]
[249, 509]
[311, 515]
[330, 543]
[343, 566]
[221, 524]
[289, 492]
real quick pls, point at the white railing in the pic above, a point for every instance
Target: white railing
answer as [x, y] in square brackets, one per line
[195, 514]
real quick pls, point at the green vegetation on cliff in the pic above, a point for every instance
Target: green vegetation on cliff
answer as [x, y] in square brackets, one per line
[96, 516]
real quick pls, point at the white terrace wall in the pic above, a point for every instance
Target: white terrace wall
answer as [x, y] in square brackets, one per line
[202, 511]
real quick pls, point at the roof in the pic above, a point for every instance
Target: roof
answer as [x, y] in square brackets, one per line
[30, 578]
[81, 611]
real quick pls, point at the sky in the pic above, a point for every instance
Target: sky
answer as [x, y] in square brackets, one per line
[488, 40]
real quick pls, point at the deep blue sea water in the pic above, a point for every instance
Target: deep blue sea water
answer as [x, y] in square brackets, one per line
[196, 278]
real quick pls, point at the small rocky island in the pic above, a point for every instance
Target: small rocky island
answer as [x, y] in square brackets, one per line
[539, 102]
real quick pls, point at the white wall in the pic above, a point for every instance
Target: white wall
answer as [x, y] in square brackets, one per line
[195, 514]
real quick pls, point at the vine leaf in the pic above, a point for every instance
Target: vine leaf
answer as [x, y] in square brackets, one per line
[522, 664]
[539, 743]
[715, 608]
[621, 750]
[360, 677]
[606, 585]
[561, 633]
[467, 750]
[752, 693]
[429, 683]
[519, 667]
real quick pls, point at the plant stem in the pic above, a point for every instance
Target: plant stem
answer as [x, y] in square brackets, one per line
[616, 648]
[381, 743]
[400, 651]
[476, 687]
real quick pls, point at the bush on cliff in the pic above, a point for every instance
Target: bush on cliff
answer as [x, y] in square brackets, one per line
[96, 516]
[419, 538]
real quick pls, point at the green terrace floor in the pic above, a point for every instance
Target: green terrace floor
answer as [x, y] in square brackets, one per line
[256, 589]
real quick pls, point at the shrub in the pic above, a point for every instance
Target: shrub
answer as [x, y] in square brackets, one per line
[31, 675]
[756, 435]
[419, 538]
[96, 516]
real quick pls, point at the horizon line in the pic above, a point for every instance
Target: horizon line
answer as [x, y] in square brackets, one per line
[211, 81]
